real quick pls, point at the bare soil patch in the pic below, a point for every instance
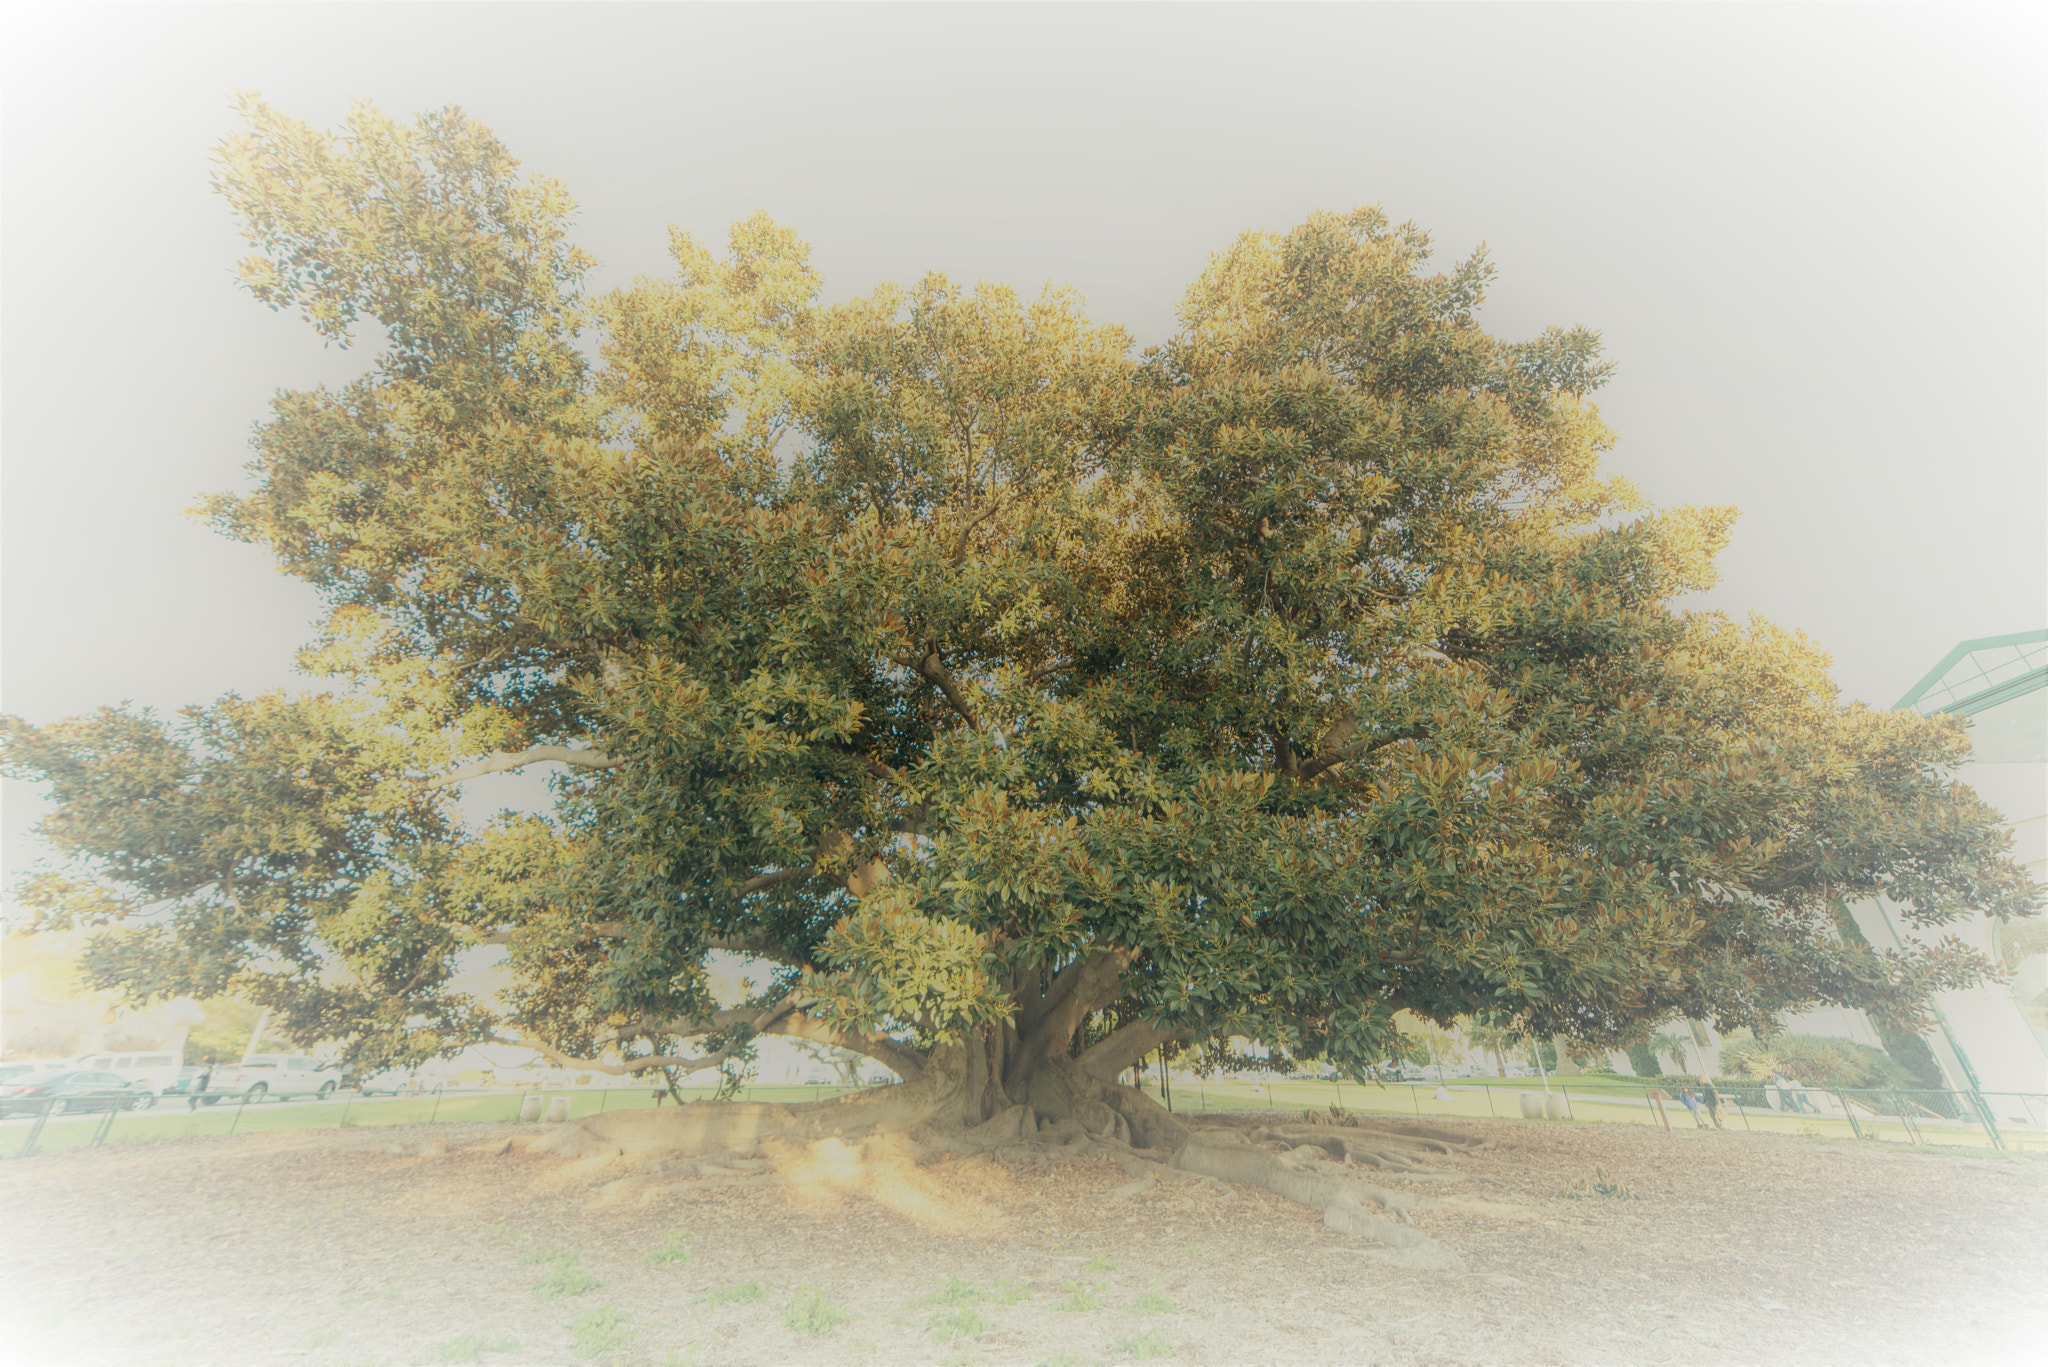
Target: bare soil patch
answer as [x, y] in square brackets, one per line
[398, 1247]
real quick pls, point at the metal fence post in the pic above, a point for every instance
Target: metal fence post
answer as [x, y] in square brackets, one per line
[435, 1114]
[1905, 1118]
[1849, 1111]
[240, 1106]
[1988, 1120]
[35, 1131]
[99, 1136]
[1490, 1112]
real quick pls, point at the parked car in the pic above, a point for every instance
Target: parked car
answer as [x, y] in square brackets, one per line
[181, 1086]
[152, 1073]
[21, 1067]
[57, 1093]
[270, 1075]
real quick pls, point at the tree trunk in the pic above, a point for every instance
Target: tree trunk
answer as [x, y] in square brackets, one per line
[1020, 1085]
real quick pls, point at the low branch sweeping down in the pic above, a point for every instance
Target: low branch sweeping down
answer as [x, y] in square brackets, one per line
[519, 759]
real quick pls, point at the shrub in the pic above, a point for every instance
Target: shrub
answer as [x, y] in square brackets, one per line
[1816, 1060]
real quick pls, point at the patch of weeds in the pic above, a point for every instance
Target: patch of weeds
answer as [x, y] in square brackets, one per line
[1080, 1297]
[956, 1291]
[1599, 1186]
[1153, 1302]
[1150, 1344]
[734, 1295]
[471, 1348]
[675, 1249]
[683, 1357]
[1100, 1262]
[546, 1253]
[606, 1329]
[503, 1232]
[808, 1312]
[321, 1338]
[1009, 1291]
[566, 1278]
[963, 1323]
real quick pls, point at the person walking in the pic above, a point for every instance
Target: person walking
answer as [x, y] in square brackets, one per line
[199, 1083]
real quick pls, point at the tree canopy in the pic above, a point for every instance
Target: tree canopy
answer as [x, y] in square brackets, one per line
[1023, 699]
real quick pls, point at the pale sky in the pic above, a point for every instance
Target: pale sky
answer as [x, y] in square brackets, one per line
[1813, 239]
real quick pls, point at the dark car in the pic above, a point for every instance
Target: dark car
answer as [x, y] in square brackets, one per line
[61, 1092]
[181, 1086]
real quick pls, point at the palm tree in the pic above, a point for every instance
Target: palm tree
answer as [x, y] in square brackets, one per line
[1496, 1040]
[1674, 1045]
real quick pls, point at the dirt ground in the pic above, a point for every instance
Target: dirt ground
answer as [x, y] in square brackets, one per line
[396, 1247]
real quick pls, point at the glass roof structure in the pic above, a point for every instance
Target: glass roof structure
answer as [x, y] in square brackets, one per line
[1980, 674]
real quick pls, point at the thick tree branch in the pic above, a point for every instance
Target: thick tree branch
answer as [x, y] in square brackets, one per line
[623, 1069]
[517, 759]
[1315, 768]
[887, 1052]
[932, 669]
[1124, 1047]
[760, 882]
[1088, 984]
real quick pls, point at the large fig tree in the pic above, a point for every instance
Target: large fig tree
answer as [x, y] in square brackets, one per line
[1023, 702]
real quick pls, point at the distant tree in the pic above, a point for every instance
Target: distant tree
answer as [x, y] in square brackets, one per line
[1020, 702]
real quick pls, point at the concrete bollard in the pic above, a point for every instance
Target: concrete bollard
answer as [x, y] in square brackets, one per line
[558, 1108]
[529, 1109]
[1532, 1105]
[1556, 1107]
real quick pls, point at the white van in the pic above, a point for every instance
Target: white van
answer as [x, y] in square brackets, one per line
[155, 1071]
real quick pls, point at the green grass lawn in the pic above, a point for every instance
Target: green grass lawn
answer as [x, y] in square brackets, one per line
[170, 1120]
[1595, 1099]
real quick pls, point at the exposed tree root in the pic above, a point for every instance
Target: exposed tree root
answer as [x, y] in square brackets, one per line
[1069, 1116]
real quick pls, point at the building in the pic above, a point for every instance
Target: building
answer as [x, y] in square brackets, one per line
[1993, 1037]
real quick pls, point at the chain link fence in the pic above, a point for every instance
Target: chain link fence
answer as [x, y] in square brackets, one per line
[1989, 1120]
